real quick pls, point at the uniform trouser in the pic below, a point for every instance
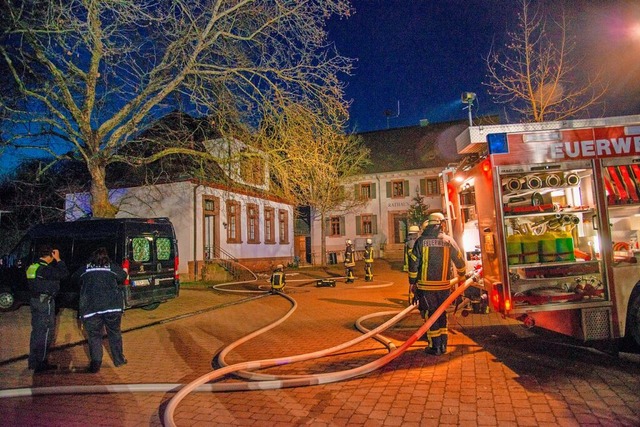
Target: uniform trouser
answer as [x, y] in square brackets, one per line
[95, 326]
[43, 323]
[429, 302]
[368, 271]
[349, 273]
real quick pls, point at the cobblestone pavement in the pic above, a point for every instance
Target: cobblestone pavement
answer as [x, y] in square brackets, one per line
[496, 373]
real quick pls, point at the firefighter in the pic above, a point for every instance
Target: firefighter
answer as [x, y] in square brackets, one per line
[368, 261]
[349, 261]
[278, 279]
[430, 274]
[414, 231]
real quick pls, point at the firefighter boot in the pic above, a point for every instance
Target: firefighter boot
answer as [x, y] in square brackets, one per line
[350, 276]
[443, 344]
[368, 274]
[433, 351]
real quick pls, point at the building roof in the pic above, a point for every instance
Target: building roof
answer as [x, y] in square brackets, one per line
[416, 147]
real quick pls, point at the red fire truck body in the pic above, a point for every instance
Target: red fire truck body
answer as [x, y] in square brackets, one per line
[557, 206]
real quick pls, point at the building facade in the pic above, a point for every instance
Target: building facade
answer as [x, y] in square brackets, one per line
[234, 217]
[405, 163]
[383, 216]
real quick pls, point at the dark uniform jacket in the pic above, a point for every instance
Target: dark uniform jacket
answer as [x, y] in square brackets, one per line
[430, 262]
[100, 291]
[278, 280]
[368, 254]
[45, 278]
[349, 257]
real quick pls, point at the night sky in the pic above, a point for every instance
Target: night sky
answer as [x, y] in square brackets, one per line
[422, 54]
[425, 53]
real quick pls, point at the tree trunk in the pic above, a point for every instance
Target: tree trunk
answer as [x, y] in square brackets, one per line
[100, 205]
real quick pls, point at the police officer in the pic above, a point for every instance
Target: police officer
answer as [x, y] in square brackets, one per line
[43, 277]
[349, 261]
[430, 274]
[101, 306]
[368, 261]
[278, 279]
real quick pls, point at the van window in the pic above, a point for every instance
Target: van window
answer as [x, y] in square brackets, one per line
[141, 249]
[163, 245]
[20, 255]
[84, 248]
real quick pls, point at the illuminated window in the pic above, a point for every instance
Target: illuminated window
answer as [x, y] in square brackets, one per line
[233, 222]
[398, 188]
[366, 224]
[433, 187]
[269, 224]
[253, 224]
[365, 192]
[335, 226]
[283, 226]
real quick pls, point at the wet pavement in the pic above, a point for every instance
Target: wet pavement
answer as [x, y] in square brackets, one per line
[496, 372]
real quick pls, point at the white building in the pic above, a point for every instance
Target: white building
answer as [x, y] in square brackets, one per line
[383, 217]
[405, 162]
[239, 220]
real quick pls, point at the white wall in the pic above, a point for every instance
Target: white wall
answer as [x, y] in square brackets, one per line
[381, 206]
[176, 201]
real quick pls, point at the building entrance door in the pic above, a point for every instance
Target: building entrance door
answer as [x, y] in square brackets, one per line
[400, 228]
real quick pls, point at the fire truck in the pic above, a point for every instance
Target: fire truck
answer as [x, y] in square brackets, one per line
[556, 209]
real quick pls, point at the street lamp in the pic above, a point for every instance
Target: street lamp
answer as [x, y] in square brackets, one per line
[468, 98]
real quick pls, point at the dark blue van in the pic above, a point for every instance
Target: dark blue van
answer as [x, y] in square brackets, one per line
[146, 247]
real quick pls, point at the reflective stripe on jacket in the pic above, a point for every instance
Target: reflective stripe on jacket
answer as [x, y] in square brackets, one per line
[430, 262]
[368, 254]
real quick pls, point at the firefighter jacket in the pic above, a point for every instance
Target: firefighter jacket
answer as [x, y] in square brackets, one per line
[430, 261]
[45, 278]
[278, 279]
[100, 290]
[349, 257]
[368, 254]
[408, 247]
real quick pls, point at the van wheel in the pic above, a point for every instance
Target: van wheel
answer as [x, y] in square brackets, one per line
[151, 306]
[7, 301]
[633, 321]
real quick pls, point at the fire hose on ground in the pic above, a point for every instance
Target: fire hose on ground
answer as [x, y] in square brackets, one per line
[262, 381]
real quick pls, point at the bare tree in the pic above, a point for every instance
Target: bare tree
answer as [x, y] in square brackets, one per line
[107, 70]
[311, 161]
[31, 195]
[536, 76]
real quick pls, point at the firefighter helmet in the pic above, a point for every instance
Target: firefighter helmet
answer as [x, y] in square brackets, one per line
[414, 229]
[279, 267]
[369, 241]
[435, 218]
[348, 241]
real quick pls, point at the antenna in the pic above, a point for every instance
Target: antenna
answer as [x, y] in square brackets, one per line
[389, 114]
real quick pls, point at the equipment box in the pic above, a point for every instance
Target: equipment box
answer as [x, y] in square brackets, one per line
[326, 283]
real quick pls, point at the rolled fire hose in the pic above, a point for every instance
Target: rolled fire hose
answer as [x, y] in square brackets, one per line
[534, 182]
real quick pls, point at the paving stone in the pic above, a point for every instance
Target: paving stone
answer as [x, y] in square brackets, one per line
[468, 386]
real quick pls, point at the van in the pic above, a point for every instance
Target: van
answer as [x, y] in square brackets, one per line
[146, 247]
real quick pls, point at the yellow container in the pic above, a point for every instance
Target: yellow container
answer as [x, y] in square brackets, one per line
[564, 246]
[547, 247]
[514, 249]
[530, 252]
